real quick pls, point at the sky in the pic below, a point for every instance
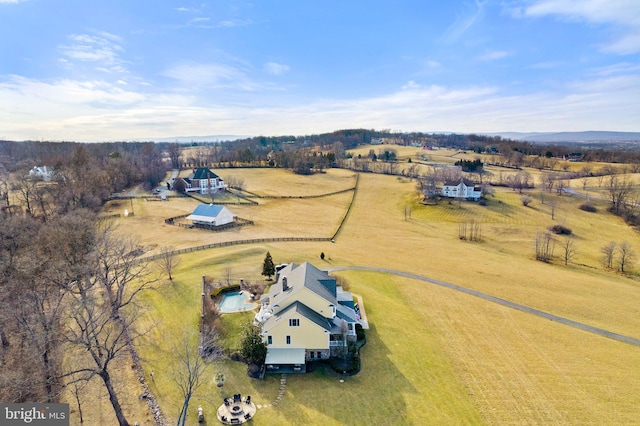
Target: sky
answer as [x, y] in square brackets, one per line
[137, 70]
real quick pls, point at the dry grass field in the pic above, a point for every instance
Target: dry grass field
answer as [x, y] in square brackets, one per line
[434, 356]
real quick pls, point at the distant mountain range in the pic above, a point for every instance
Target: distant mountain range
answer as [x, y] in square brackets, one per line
[209, 138]
[541, 137]
[584, 137]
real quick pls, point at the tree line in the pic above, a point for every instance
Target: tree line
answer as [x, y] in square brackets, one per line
[85, 175]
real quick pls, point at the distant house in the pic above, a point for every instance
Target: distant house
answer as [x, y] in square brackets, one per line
[203, 181]
[43, 172]
[306, 317]
[463, 189]
[573, 157]
[211, 215]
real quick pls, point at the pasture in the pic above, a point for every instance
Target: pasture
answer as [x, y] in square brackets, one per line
[433, 355]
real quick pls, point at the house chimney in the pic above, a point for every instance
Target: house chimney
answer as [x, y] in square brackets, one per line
[285, 286]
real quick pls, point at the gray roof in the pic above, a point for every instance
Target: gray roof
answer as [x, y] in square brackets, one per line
[308, 276]
[457, 182]
[304, 311]
[203, 173]
[346, 313]
[208, 210]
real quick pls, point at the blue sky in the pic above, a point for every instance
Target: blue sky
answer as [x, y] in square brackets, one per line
[125, 69]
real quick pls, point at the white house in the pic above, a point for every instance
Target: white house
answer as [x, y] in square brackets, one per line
[306, 317]
[204, 181]
[211, 215]
[43, 172]
[464, 189]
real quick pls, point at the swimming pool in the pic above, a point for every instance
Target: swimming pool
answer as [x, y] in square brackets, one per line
[234, 302]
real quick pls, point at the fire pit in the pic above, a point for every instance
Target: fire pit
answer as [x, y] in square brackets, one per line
[237, 410]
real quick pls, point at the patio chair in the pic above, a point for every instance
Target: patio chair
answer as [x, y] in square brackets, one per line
[248, 399]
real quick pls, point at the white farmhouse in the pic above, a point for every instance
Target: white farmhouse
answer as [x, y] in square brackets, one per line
[43, 172]
[463, 189]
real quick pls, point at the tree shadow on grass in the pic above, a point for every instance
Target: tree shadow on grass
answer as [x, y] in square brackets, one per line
[377, 393]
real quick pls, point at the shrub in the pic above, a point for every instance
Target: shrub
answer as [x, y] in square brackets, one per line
[482, 202]
[560, 230]
[360, 332]
[588, 207]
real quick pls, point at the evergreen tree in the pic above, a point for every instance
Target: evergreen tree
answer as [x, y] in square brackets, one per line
[253, 348]
[268, 268]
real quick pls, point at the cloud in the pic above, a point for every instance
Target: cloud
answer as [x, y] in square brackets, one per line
[623, 15]
[98, 110]
[212, 76]
[102, 48]
[545, 65]
[473, 13]
[620, 68]
[276, 69]
[493, 55]
[11, 1]
[230, 23]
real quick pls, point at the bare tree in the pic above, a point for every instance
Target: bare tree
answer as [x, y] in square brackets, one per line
[476, 231]
[568, 250]
[96, 339]
[43, 267]
[104, 310]
[174, 155]
[608, 251]
[520, 181]
[25, 190]
[545, 244]
[190, 368]
[626, 256]
[168, 261]
[471, 231]
[548, 181]
[462, 230]
[585, 182]
[618, 190]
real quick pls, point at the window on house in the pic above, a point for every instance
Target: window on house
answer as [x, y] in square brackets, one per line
[350, 326]
[269, 340]
[319, 354]
[312, 354]
[288, 340]
[294, 322]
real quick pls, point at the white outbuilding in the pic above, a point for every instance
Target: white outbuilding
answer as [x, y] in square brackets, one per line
[211, 215]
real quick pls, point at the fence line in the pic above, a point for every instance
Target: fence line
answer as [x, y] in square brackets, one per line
[236, 224]
[170, 221]
[232, 243]
[346, 215]
[328, 194]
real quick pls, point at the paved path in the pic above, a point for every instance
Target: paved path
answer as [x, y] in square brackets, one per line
[522, 308]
